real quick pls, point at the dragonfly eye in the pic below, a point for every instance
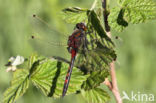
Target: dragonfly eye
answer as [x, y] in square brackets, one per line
[81, 26]
[77, 26]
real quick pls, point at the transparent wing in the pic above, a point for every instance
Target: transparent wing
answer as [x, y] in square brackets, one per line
[47, 40]
[118, 41]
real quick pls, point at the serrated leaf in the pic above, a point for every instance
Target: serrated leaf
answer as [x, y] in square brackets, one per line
[96, 62]
[95, 59]
[19, 85]
[96, 6]
[131, 11]
[95, 24]
[32, 59]
[139, 11]
[33, 62]
[99, 51]
[74, 9]
[96, 95]
[95, 21]
[49, 77]
[74, 15]
[116, 20]
[95, 79]
[120, 2]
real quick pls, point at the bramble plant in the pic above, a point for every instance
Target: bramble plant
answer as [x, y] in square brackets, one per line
[92, 67]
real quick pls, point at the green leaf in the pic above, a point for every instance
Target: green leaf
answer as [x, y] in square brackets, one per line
[120, 2]
[131, 11]
[99, 10]
[139, 11]
[95, 79]
[95, 21]
[94, 24]
[74, 15]
[96, 95]
[49, 77]
[99, 51]
[95, 59]
[32, 59]
[96, 62]
[116, 20]
[18, 87]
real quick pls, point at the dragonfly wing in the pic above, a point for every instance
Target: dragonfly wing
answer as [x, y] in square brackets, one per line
[45, 47]
[118, 41]
[46, 41]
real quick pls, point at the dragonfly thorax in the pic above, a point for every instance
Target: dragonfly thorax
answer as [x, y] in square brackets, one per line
[76, 40]
[77, 37]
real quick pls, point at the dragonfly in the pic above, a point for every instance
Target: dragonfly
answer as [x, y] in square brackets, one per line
[75, 41]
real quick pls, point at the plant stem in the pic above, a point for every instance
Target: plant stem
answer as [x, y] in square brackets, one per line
[105, 15]
[111, 85]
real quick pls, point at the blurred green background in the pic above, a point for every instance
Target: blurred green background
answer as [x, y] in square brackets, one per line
[136, 48]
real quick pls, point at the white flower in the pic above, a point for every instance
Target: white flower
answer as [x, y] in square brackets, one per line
[13, 62]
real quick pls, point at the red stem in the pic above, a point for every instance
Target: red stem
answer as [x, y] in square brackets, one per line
[111, 85]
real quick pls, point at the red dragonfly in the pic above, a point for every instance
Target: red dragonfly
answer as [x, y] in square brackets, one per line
[75, 41]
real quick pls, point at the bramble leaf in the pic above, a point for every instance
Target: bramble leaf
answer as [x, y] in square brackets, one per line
[139, 11]
[19, 85]
[74, 15]
[95, 79]
[96, 62]
[96, 95]
[96, 59]
[116, 20]
[95, 21]
[49, 77]
[32, 59]
[131, 11]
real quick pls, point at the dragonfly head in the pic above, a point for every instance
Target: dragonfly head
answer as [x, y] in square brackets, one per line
[81, 26]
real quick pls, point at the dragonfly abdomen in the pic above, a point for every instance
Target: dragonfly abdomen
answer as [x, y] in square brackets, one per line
[68, 76]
